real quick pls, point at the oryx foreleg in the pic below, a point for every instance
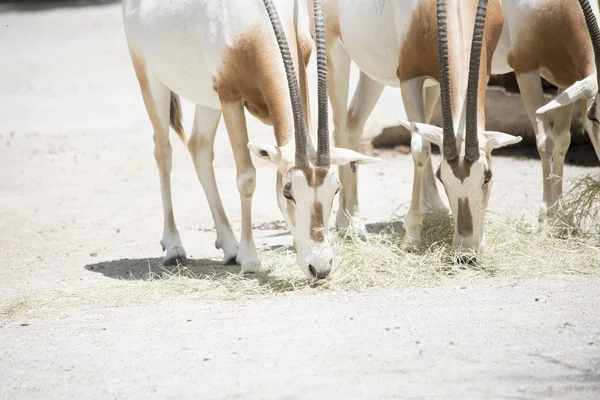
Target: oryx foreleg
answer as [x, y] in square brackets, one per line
[235, 122]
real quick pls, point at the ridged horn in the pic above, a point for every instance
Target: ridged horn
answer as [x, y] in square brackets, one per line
[592, 26]
[302, 161]
[471, 135]
[449, 141]
[323, 153]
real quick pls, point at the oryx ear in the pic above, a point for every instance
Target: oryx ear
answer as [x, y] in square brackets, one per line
[433, 133]
[495, 140]
[584, 89]
[341, 156]
[272, 153]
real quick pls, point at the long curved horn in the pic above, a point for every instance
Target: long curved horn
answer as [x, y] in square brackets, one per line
[592, 26]
[584, 89]
[323, 153]
[471, 135]
[299, 127]
[449, 142]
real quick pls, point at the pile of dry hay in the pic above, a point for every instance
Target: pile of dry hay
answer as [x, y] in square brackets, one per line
[515, 249]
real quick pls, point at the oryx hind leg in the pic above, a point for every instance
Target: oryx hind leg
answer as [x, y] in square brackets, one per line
[157, 98]
[593, 129]
[364, 100]
[561, 137]
[431, 95]
[424, 192]
[348, 127]
[430, 195]
[201, 147]
[338, 82]
[530, 86]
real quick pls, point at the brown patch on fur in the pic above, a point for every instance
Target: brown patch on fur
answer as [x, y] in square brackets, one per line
[176, 116]
[464, 219]
[419, 52]
[317, 227]
[461, 168]
[556, 42]
[494, 23]
[139, 65]
[252, 72]
[315, 176]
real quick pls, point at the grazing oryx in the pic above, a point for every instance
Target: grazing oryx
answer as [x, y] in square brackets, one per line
[549, 38]
[223, 56]
[396, 43]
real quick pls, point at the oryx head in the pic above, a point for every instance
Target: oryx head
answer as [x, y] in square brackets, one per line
[466, 176]
[586, 89]
[307, 185]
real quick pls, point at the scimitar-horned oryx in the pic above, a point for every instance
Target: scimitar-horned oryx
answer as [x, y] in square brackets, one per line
[396, 43]
[551, 38]
[223, 56]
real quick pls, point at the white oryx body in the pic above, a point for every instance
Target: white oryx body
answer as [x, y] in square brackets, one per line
[549, 38]
[395, 43]
[224, 56]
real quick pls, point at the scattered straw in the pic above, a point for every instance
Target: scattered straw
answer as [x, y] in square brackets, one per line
[580, 208]
[515, 249]
[15, 306]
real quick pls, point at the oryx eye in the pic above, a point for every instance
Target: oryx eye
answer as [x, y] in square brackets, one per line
[487, 177]
[336, 192]
[592, 113]
[287, 191]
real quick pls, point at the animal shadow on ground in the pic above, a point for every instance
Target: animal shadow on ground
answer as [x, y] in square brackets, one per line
[150, 268]
[44, 5]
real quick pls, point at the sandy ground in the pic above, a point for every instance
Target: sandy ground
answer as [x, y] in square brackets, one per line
[79, 187]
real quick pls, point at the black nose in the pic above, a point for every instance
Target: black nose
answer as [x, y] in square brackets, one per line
[317, 275]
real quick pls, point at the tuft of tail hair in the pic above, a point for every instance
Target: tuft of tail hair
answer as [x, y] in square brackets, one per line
[176, 116]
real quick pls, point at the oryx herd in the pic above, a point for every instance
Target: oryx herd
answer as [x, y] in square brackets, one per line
[228, 56]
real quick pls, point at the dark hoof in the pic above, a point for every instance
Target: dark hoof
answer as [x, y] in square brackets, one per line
[230, 261]
[174, 261]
